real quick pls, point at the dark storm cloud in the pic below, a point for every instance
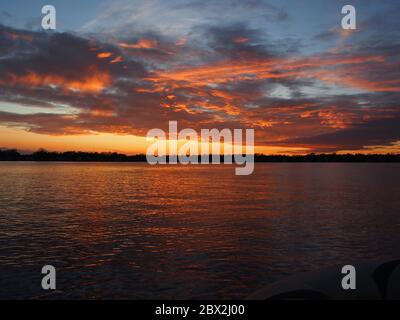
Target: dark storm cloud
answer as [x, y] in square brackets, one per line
[236, 42]
[371, 133]
[60, 54]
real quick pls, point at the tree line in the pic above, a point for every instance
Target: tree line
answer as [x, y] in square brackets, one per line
[43, 155]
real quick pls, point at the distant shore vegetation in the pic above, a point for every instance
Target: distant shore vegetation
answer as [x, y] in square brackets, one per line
[77, 156]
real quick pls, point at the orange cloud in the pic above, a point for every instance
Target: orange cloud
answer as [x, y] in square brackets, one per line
[355, 80]
[141, 44]
[117, 59]
[104, 55]
[102, 113]
[217, 73]
[181, 41]
[227, 71]
[198, 80]
[19, 36]
[240, 40]
[95, 81]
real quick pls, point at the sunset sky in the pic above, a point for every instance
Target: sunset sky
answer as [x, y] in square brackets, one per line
[115, 69]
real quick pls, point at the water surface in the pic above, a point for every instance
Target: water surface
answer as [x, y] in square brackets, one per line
[132, 231]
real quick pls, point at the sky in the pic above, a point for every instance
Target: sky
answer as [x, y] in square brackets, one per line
[112, 70]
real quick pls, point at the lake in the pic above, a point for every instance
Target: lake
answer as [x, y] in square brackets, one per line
[133, 231]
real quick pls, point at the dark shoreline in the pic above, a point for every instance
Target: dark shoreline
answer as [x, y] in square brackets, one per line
[72, 156]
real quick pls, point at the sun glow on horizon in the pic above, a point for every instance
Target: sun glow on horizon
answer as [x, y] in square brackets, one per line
[18, 138]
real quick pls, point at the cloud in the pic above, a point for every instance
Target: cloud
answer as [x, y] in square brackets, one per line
[225, 75]
[379, 132]
[178, 17]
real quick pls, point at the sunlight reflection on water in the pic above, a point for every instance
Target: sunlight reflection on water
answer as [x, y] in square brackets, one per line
[141, 232]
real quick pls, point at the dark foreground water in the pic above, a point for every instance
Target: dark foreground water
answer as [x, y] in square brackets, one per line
[140, 232]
